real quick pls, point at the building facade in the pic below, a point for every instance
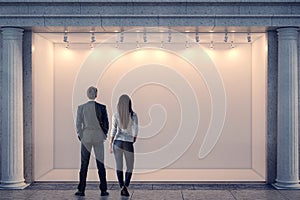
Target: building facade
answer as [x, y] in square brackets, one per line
[19, 20]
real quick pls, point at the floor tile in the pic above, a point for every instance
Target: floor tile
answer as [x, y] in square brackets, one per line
[42, 186]
[64, 186]
[16, 194]
[157, 195]
[291, 194]
[134, 187]
[207, 195]
[257, 195]
[69, 195]
[224, 186]
[173, 186]
[113, 195]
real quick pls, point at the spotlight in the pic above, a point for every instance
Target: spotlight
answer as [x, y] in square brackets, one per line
[145, 37]
[66, 37]
[197, 37]
[117, 44]
[231, 45]
[122, 37]
[162, 45]
[93, 37]
[137, 45]
[93, 40]
[170, 37]
[92, 45]
[249, 37]
[226, 37]
[67, 45]
[211, 46]
[186, 44]
[66, 40]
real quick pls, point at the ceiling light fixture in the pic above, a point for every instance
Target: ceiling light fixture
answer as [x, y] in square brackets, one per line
[93, 40]
[145, 37]
[162, 45]
[211, 46]
[186, 44]
[197, 37]
[66, 37]
[122, 37]
[226, 37]
[231, 45]
[66, 40]
[249, 37]
[92, 45]
[117, 44]
[170, 36]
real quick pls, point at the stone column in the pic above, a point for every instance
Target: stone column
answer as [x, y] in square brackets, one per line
[12, 170]
[287, 139]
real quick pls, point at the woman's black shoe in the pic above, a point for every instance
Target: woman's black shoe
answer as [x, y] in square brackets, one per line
[124, 192]
[104, 193]
[79, 193]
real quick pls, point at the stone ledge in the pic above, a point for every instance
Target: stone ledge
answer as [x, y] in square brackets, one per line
[143, 1]
[150, 20]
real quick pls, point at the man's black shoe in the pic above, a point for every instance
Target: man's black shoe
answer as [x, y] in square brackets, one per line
[79, 193]
[104, 193]
[124, 192]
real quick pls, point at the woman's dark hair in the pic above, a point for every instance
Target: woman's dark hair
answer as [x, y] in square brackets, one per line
[125, 111]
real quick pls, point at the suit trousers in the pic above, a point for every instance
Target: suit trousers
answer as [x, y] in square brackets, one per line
[123, 148]
[85, 159]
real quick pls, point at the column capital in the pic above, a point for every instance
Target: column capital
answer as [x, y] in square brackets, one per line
[12, 33]
[288, 33]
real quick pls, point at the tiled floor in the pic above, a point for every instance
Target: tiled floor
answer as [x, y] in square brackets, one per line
[65, 191]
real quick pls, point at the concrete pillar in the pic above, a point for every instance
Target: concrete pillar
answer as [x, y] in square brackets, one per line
[12, 170]
[287, 139]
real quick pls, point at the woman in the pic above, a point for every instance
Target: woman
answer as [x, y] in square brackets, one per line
[123, 135]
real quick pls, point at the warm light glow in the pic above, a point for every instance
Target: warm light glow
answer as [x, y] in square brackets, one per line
[67, 53]
[210, 52]
[160, 54]
[32, 48]
[232, 53]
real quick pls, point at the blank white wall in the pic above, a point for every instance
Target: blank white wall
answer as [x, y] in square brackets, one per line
[43, 106]
[259, 71]
[233, 150]
[67, 145]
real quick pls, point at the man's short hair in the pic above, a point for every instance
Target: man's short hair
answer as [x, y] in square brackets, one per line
[92, 92]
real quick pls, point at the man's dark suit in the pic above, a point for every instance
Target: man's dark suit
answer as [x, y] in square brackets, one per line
[92, 127]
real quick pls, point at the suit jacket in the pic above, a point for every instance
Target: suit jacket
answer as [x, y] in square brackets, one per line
[92, 122]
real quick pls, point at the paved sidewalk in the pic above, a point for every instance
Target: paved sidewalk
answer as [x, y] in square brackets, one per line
[65, 191]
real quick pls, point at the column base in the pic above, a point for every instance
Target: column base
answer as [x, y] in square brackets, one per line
[286, 186]
[13, 186]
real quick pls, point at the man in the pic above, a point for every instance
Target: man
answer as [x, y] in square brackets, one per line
[92, 127]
